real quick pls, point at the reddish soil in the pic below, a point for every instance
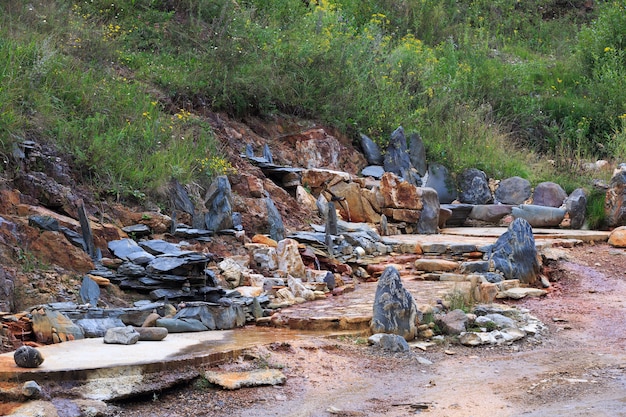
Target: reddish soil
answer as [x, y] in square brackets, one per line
[577, 368]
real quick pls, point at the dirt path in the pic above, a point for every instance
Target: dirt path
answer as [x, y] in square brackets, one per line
[576, 369]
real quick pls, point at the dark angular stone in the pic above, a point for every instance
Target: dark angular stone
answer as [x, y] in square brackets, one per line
[89, 291]
[371, 151]
[219, 203]
[275, 221]
[417, 153]
[576, 206]
[474, 187]
[439, 178]
[428, 222]
[514, 190]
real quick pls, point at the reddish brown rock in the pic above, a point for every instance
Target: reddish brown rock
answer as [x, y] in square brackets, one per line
[352, 206]
[432, 265]
[400, 194]
[617, 238]
[54, 248]
[265, 240]
[402, 215]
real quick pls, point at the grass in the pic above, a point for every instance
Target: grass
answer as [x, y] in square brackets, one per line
[123, 86]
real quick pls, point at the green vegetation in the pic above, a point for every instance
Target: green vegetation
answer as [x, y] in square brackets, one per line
[122, 85]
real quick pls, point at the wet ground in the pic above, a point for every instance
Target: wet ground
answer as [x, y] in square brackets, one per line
[578, 368]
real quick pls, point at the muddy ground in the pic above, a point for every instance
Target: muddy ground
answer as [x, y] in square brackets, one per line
[576, 368]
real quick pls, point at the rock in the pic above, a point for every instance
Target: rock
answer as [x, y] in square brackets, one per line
[514, 190]
[330, 281]
[97, 327]
[417, 153]
[150, 320]
[514, 254]
[263, 258]
[539, 216]
[549, 194]
[51, 326]
[151, 334]
[352, 204]
[231, 271]
[615, 198]
[289, 259]
[304, 199]
[219, 202]
[181, 326]
[131, 270]
[54, 248]
[89, 291]
[374, 171]
[394, 310]
[474, 187]
[180, 198]
[439, 178]
[576, 207]
[396, 157]
[213, 317]
[264, 240]
[123, 247]
[459, 213]
[491, 213]
[140, 257]
[121, 336]
[617, 238]
[31, 389]
[27, 357]
[237, 380]
[452, 323]
[371, 151]
[497, 320]
[44, 223]
[275, 221]
[428, 222]
[432, 265]
[400, 194]
[389, 342]
[519, 292]
[137, 230]
[267, 153]
[473, 267]
[298, 289]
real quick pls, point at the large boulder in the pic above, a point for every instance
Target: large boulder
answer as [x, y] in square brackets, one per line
[289, 259]
[439, 178]
[417, 153]
[549, 194]
[539, 216]
[576, 206]
[474, 187]
[397, 158]
[400, 194]
[352, 204]
[219, 202]
[395, 311]
[51, 326]
[514, 190]
[615, 206]
[428, 222]
[514, 254]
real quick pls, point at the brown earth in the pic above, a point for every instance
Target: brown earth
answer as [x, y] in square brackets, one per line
[576, 368]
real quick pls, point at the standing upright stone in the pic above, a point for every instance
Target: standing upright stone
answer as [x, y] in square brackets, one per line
[576, 206]
[249, 150]
[439, 178]
[371, 151]
[417, 153]
[397, 158]
[514, 254]
[474, 187]
[615, 203]
[428, 222]
[331, 219]
[180, 198]
[514, 190]
[395, 311]
[89, 291]
[85, 228]
[218, 201]
[275, 221]
[267, 154]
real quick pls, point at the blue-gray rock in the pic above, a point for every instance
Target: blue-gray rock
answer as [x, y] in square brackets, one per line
[151, 334]
[249, 150]
[130, 269]
[174, 325]
[549, 194]
[452, 323]
[458, 213]
[371, 151]
[331, 220]
[514, 254]
[374, 171]
[137, 230]
[237, 221]
[275, 221]
[329, 279]
[267, 154]
[164, 264]
[159, 247]
[121, 336]
[218, 201]
[514, 190]
[140, 257]
[397, 157]
[89, 291]
[439, 178]
[389, 342]
[539, 216]
[492, 277]
[31, 389]
[472, 267]
[121, 248]
[491, 213]
[576, 207]
[500, 321]
[417, 153]
[180, 198]
[474, 187]
[44, 223]
[97, 327]
[74, 238]
[428, 222]
[214, 317]
[394, 310]
[27, 357]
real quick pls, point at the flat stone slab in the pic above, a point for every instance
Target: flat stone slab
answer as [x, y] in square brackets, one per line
[237, 380]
